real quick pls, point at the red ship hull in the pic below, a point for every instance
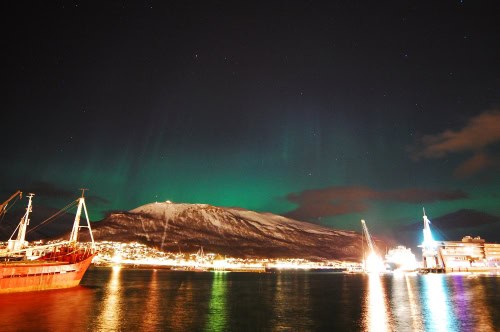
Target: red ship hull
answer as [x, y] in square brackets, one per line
[38, 275]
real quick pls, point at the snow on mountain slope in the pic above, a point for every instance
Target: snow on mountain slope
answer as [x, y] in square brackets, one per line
[228, 231]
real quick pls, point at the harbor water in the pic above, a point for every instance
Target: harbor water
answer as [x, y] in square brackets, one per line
[111, 299]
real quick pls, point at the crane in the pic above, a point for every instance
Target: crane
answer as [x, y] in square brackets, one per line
[3, 206]
[369, 240]
[373, 262]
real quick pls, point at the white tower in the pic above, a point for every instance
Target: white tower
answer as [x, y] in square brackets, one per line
[429, 247]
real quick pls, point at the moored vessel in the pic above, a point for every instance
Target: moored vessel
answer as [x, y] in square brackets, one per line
[25, 267]
[400, 258]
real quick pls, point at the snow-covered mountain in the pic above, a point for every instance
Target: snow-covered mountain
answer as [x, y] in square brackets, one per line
[227, 231]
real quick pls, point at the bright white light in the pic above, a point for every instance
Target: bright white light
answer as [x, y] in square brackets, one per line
[220, 264]
[374, 263]
[428, 242]
[117, 258]
[403, 258]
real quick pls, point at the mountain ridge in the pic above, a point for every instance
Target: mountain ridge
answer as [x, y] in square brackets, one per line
[229, 231]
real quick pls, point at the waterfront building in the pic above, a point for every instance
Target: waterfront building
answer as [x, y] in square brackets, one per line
[469, 255]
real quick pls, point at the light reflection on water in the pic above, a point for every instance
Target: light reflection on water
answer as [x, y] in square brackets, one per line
[377, 315]
[291, 300]
[57, 310]
[438, 306]
[217, 308]
[150, 319]
[472, 314]
[415, 308]
[160, 300]
[109, 317]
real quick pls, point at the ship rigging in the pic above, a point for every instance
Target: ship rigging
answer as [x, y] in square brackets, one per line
[57, 265]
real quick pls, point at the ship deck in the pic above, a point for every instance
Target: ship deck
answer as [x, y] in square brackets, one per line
[25, 263]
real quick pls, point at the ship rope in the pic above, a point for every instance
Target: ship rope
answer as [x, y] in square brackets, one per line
[7, 208]
[14, 232]
[54, 216]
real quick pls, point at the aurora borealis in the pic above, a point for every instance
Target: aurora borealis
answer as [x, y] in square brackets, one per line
[328, 113]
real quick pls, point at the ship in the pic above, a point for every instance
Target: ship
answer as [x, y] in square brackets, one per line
[61, 264]
[400, 258]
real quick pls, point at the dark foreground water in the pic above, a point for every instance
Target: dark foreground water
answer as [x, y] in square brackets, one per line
[159, 300]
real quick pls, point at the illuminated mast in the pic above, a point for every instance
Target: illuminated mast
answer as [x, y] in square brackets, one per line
[373, 262]
[19, 242]
[76, 225]
[428, 240]
[429, 252]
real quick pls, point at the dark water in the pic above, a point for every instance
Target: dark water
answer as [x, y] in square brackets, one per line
[160, 300]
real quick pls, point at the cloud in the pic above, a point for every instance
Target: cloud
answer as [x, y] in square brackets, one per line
[476, 136]
[473, 165]
[465, 218]
[332, 201]
[50, 190]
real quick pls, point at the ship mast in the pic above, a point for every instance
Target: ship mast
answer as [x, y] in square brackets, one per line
[76, 225]
[16, 244]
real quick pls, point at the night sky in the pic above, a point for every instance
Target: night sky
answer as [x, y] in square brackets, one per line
[329, 112]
